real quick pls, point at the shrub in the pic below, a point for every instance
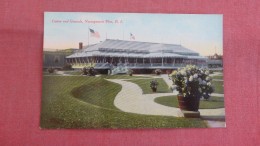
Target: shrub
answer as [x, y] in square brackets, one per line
[192, 82]
[130, 72]
[67, 67]
[158, 71]
[88, 71]
[51, 70]
[154, 84]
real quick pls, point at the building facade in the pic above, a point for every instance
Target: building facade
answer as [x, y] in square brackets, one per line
[215, 61]
[135, 55]
[55, 58]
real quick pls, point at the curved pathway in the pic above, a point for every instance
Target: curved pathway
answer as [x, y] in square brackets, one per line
[131, 99]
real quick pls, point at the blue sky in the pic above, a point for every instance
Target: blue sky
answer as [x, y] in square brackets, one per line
[198, 32]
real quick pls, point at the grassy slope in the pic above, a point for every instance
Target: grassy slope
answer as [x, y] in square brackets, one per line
[145, 85]
[93, 93]
[60, 109]
[172, 101]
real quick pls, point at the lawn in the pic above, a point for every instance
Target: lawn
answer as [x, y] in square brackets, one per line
[93, 92]
[145, 85]
[67, 102]
[217, 77]
[76, 72]
[218, 86]
[47, 73]
[123, 76]
[172, 101]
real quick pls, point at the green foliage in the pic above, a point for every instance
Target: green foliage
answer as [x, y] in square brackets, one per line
[88, 71]
[51, 70]
[67, 67]
[154, 83]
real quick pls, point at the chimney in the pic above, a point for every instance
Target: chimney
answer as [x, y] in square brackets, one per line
[80, 45]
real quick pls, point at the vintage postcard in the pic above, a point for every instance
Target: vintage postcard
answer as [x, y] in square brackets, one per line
[132, 70]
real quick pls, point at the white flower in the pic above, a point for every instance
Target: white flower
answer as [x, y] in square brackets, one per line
[207, 78]
[174, 73]
[199, 89]
[183, 72]
[209, 84]
[200, 80]
[191, 79]
[186, 80]
[207, 72]
[195, 76]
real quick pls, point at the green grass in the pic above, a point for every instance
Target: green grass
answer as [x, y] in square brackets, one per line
[93, 92]
[73, 72]
[123, 76]
[217, 77]
[145, 85]
[63, 106]
[218, 86]
[172, 101]
[47, 73]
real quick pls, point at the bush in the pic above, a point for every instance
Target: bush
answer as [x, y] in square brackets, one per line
[67, 67]
[192, 81]
[153, 85]
[130, 72]
[88, 71]
[51, 70]
[158, 71]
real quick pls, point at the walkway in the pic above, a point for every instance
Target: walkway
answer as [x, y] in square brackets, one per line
[130, 99]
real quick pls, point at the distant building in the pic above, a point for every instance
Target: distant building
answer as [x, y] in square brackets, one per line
[56, 58]
[215, 61]
[135, 55]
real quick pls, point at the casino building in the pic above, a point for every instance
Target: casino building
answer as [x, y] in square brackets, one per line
[142, 57]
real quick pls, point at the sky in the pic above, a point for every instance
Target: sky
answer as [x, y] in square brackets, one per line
[202, 33]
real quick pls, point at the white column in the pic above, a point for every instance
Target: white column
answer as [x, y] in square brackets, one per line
[162, 61]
